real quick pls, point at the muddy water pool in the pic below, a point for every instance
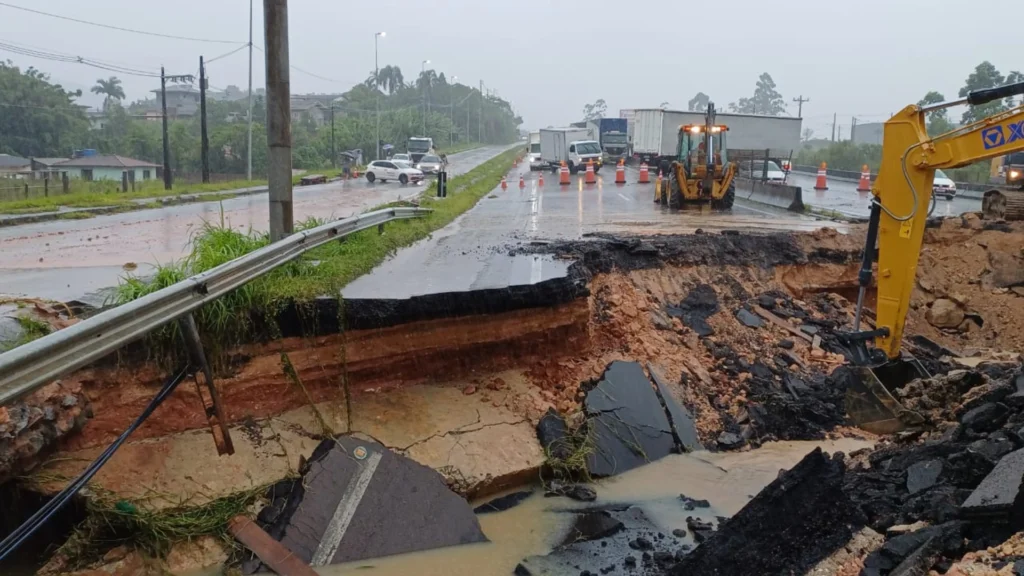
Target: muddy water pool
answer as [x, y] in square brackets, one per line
[534, 527]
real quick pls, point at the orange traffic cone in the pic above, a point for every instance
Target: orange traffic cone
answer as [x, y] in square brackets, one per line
[865, 180]
[522, 183]
[516, 163]
[589, 177]
[822, 182]
[563, 175]
[620, 173]
[504, 185]
[540, 181]
[645, 177]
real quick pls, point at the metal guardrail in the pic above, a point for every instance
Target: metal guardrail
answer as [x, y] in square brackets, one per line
[36, 363]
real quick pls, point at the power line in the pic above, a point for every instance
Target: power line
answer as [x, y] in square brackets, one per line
[242, 47]
[72, 59]
[297, 69]
[108, 26]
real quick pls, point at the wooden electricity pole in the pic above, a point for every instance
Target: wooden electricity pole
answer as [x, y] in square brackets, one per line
[204, 139]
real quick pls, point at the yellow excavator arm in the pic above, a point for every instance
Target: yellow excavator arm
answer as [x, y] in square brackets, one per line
[902, 197]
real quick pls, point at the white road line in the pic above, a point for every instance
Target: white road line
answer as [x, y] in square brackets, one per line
[345, 511]
[626, 199]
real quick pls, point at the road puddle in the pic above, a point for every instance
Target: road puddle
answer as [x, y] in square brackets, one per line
[534, 527]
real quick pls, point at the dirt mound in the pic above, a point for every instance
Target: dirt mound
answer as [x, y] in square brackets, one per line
[980, 270]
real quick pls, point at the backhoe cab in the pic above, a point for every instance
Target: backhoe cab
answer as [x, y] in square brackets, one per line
[902, 197]
[701, 172]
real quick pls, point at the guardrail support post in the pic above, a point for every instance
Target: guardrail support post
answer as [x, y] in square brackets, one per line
[380, 228]
[210, 397]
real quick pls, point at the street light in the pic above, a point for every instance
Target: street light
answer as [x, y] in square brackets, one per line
[451, 111]
[376, 87]
[423, 69]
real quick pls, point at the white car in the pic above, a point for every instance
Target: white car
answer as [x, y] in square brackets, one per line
[943, 185]
[385, 170]
[774, 174]
[402, 157]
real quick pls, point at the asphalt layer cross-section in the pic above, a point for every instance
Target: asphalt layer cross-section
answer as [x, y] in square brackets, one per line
[473, 252]
[67, 259]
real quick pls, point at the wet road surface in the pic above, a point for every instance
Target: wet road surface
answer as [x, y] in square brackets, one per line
[842, 196]
[472, 252]
[66, 259]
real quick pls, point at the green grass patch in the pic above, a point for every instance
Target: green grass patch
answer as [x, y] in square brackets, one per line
[248, 314]
[31, 329]
[86, 195]
[111, 523]
[460, 147]
[77, 215]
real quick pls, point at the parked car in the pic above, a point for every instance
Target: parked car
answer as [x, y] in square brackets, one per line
[755, 170]
[385, 170]
[402, 157]
[430, 164]
[943, 186]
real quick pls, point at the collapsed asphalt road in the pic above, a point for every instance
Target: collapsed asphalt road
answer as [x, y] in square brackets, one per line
[66, 259]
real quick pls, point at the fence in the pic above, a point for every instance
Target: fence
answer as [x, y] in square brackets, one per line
[12, 189]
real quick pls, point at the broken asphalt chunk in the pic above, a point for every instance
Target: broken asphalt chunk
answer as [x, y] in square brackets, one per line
[923, 475]
[360, 500]
[679, 417]
[749, 319]
[628, 426]
[694, 310]
[793, 523]
[502, 503]
[553, 434]
[1000, 494]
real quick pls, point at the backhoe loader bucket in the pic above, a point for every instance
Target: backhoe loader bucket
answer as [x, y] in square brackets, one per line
[870, 404]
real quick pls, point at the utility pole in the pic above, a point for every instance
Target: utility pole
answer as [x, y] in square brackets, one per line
[204, 139]
[376, 89]
[167, 147]
[451, 112]
[423, 96]
[800, 105]
[853, 128]
[334, 155]
[833, 126]
[480, 122]
[840, 133]
[248, 162]
[279, 132]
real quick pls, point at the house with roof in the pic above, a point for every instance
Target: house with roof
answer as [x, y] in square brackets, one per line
[311, 109]
[47, 168]
[182, 100]
[107, 167]
[13, 166]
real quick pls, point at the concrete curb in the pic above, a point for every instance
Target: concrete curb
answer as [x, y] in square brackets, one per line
[778, 195]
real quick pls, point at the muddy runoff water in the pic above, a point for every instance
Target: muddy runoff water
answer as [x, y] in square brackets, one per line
[538, 524]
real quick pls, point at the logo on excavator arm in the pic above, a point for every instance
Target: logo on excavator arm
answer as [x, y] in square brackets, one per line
[994, 137]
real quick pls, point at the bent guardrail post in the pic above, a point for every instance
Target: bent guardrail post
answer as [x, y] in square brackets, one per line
[210, 398]
[36, 363]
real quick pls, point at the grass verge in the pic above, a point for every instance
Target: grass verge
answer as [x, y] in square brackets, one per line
[85, 195]
[249, 313]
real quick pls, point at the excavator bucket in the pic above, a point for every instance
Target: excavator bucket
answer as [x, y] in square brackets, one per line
[870, 403]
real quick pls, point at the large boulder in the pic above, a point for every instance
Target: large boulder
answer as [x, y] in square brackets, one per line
[944, 314]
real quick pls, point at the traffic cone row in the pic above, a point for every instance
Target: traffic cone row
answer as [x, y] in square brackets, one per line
[540, 181]
[504, 184]
[620, 172]
[522, 183]
[821, 183]
[645, 177]
[865, 180]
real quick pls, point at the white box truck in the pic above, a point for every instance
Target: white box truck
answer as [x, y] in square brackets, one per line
[574, 146]
[534, 154]
[656, 133]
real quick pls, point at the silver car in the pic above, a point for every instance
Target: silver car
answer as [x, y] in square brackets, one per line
[430, 164]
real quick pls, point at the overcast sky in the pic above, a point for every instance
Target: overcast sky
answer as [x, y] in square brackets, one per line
[867, 58]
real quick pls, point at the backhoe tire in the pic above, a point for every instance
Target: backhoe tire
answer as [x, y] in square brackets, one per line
[675, 199]
[727, 200]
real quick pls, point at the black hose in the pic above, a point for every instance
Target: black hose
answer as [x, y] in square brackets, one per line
[21, 533]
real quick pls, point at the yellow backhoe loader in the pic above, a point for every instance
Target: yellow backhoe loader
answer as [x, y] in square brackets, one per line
[901, 198]
[701, 172]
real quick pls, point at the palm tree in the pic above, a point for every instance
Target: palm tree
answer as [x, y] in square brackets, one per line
[111, 87]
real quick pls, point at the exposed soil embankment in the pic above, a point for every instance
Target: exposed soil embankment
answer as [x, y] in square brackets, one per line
[357, 361]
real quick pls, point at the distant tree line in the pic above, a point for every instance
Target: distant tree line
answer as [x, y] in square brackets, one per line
[39, 118]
